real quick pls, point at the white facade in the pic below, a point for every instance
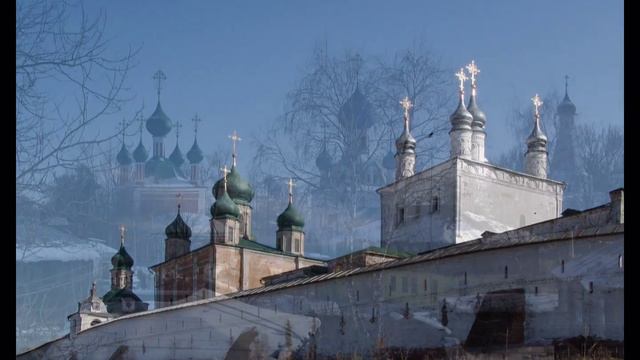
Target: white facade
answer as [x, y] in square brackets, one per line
[458, 200]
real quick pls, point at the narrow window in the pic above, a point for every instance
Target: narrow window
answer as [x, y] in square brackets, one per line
[506, 272]
[357, 295]
[435, 204]
[620, 264]
[425, 284]
[590, 287]
[465, 278]
[562, 266]
[536, 290]
[400, 215]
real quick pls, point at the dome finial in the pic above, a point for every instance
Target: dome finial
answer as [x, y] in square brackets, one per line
[92, 293]
[566, 85]
[473, 71]
[537, 102]
[141, 120]
[462, 78]
[225, 171]
[123, 125]
[406, 105]
[234, 139]
[291, 185]
[179, 200]
[196, 119]
[159, 77]
[178, 127]
[122, 230]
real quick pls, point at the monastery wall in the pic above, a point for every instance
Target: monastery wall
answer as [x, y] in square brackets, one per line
[554, 289]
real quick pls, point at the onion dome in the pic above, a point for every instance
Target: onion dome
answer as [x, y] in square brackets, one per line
[239, 189]
[195, 154]
[461, 119]
[158, 124]
[160, 168]
[122, 259]
[176, 157]
[323, 161]
[479, 118]
[225, 207]
[140, 154]
[389, 161]
[178, 229]
[124, 157]
[537, 137]
[356, 112]
[290, 219]
[566, 106]
[406, 142]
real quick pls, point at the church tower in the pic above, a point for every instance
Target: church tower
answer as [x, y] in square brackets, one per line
[225, 222]
[239, 190]
[564, 162]
[536, 155]
[178, 241]
[194, 155]
[91, 311]
[159, 124]
[478, 133]
[405, 146]
[461, 121]
[121, 299]
[290, 234]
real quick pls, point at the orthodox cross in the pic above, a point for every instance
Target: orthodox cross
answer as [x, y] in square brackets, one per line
[159, 76]
[141, 120]
[291, 185]
[462, 77]
[537, 103]
[196, 119]
[225, 171]
[178, 127]
[179, 200]
[234, 139]
[406, 104]
[473, 71]
[123, 124]
[122, 229]
[566, 83]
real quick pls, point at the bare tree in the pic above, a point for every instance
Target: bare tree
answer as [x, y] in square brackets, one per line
[65, 82]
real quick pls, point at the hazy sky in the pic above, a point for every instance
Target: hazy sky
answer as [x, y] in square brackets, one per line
[232, 62]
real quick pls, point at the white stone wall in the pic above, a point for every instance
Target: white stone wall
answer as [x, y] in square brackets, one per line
[571, 286]
[472, 197]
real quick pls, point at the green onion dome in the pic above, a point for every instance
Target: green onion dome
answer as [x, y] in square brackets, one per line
[178, 229]
[239, 189]
[159, 124]
[122, 259]
[124, 157]
[225, 207]
[160, 168]
[290, 218]
[176, 157]
[140, 154]
[194, 155]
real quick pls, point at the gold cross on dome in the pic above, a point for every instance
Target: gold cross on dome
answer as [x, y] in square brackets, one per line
[473, 71]
[537, 102]
[159, 76]
[122, 229]
[291, 185]
[462, 77]
[406, 105]
[224, 171]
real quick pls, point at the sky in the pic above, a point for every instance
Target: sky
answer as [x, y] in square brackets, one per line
[234, 62]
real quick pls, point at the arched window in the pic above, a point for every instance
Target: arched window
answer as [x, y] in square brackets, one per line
[435, 204]
[95, 322]
[562, 266]
[620, 261]
[506, 272]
